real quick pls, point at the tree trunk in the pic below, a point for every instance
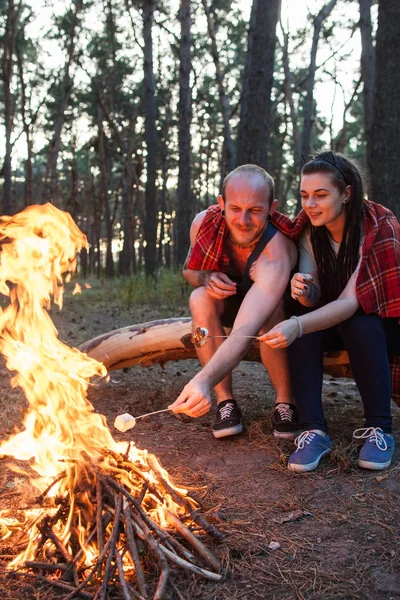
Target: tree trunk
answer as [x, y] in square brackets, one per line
[150, 111]
[229, 153]
[28, 188]
[288, 89]
[104, 194]
[163, 200]
[385, 172]
[254, 127]
[50, 188]
[125, 260]
[308, 107]
[184, 208]
[10, 33]
[367, 71]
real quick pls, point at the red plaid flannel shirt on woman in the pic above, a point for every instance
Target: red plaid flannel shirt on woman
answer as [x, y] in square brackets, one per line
[378, 280]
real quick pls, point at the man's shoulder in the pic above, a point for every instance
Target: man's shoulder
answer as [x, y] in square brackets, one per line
[280, 247]
[279, 241]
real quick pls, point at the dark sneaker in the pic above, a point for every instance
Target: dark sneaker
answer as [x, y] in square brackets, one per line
[229, 419]
[285, 421]
[311, 447]
[377, 451]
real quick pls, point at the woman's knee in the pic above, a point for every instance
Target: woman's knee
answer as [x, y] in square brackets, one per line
[362, 325]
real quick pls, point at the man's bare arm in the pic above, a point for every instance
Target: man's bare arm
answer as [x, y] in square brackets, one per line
[270, 280]
[271, 276]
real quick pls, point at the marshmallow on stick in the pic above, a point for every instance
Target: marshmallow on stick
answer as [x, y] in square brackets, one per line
[126, 421]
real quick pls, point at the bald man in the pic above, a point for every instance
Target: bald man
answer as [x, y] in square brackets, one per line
[239, 265]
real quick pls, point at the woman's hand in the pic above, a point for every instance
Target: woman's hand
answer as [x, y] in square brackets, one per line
[282, 335]
[300, 285]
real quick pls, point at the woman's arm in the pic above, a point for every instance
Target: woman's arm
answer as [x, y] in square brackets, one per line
[304, 285]
[283, 334]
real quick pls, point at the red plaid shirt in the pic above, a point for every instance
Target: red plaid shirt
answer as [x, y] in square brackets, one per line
[378, 280]
[208, 253]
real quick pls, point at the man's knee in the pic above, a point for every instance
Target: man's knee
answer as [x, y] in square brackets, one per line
[201, 302]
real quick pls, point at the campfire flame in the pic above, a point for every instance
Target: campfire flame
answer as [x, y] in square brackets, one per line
[84, 477]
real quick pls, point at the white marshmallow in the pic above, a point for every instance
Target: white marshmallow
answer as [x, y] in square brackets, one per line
[124, 422]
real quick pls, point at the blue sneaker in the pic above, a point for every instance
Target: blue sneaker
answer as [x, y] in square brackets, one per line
[377, 451]
[311, 447]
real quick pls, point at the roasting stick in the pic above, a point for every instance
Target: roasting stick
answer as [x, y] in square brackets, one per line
[201, 334]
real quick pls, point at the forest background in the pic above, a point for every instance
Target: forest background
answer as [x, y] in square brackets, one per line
[129, 113]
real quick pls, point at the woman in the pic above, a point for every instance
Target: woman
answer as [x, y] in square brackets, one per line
[350, 268]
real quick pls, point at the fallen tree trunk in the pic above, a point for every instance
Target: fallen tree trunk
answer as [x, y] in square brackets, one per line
[163, 340]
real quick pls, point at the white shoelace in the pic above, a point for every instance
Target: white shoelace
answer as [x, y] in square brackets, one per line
[285, 412]
[304, 438]
[226, 411]
[373, 434]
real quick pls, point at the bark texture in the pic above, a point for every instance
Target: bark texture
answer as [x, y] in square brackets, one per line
[254, 127]
[184, 209]
[384, 167]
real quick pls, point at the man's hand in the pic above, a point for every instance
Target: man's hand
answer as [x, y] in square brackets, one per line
[282, 335]
[194, 400]
[218, 285]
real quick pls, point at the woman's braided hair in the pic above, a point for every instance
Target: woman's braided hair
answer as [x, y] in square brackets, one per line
[335, 271]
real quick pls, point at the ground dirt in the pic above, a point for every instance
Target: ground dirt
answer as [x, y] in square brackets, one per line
[336, 530]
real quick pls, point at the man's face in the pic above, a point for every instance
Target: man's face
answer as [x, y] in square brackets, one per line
[246, 207]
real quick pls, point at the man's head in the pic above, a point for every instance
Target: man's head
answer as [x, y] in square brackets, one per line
[247, 199]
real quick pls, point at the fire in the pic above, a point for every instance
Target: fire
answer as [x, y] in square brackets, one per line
[84, 477]
[39, 246]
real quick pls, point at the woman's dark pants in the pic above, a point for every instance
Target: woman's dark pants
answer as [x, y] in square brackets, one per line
[368, 340]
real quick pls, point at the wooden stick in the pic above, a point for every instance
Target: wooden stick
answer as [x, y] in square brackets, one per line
[163, 579]
[194, 541]
[184, 502]
[44, 566]
[91, 572]
[143, 492]
[189, 566]
[153, 526]
[113, 540]
[54, 583]
[133, 551]
[40, 498]
[99, 515]
[46, 529]
[124, 586]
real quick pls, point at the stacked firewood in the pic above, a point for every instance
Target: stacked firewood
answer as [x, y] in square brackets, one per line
[115, 503]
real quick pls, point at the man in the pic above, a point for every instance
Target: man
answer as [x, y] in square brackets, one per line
[240, 266]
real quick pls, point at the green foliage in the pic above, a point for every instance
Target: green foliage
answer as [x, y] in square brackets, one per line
[166, 290]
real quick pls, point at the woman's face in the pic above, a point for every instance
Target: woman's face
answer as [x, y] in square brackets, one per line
[324, 203]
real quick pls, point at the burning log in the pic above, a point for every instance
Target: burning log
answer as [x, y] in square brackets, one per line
[103, 515]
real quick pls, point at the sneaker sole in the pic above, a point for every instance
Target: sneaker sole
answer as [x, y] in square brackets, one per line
[287, 435]
[365, 464]
[228, 431]
[309, 467]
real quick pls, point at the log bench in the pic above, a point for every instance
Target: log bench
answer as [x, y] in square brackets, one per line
[160, 341]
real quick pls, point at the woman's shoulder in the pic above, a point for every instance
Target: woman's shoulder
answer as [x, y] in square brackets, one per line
[380, 222]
